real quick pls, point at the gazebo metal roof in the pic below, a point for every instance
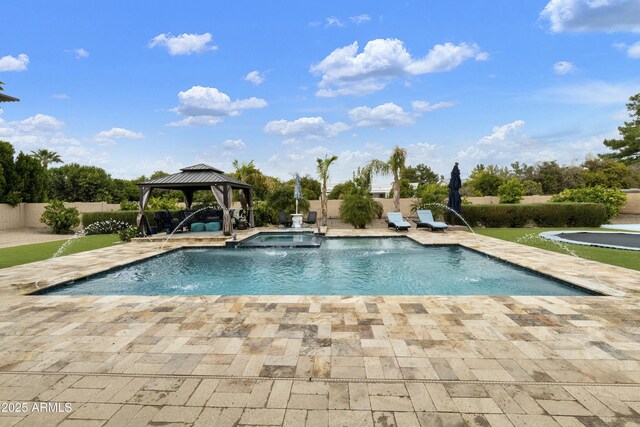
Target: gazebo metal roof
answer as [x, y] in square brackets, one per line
[7, 98]
[196, 177]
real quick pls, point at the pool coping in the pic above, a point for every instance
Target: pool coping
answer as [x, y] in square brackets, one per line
[617, 282]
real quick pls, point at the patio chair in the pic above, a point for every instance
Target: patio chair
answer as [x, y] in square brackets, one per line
[395, 220]
[283, 219]
[312, 218]
[425, 219]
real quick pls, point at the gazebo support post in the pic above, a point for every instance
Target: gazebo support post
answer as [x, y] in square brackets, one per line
[249, 198]
[188, 198]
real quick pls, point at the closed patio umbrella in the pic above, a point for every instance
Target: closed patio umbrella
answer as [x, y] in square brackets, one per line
[455, 203]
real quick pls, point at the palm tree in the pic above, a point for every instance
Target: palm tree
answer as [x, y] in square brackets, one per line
[323, 172]
[394, 166]
[45, 156]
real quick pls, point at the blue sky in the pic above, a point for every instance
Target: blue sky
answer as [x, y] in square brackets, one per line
[135, 87]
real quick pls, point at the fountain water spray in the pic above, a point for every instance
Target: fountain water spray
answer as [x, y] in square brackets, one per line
[182, 222]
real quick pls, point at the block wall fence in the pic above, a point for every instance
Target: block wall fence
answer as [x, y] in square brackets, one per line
[27, 215]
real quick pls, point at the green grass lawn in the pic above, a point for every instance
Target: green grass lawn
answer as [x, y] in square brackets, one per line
[39, 251]
[528, 236]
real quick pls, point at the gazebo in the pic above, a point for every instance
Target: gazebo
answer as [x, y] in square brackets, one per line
[190, 180]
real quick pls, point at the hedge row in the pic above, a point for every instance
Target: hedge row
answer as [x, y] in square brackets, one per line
[536, 215]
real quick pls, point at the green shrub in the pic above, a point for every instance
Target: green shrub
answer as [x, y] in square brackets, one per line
[539, 215]
[263, 214]
[128, 233]
[511, 191]
[612, 198]
[60, 218]
[127, 205]
[160, 204]
[358, 209]
[431, 196]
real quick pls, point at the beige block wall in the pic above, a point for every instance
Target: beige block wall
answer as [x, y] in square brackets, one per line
[27, 215]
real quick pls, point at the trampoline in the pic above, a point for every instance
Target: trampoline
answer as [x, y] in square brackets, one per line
[603, 239]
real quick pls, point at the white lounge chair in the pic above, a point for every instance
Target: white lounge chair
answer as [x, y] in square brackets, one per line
[395, 220]
[425, 219]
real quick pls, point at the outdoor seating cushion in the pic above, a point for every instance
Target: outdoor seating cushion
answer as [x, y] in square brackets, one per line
[212, 226]
[197, 226]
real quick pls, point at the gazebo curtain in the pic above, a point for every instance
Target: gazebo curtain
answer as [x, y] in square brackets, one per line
[249, 198]
[141, 219]
[223, 197]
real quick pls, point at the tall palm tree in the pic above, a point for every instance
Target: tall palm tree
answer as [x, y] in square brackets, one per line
[323, 172]
[46, 157]
[394, 166]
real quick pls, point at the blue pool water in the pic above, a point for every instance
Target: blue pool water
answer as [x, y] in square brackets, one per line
[357, 266]
[297, 239]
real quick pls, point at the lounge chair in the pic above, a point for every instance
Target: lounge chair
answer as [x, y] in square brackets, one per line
[283, 219]
[395, 220]
[312, 218]
[425, 219]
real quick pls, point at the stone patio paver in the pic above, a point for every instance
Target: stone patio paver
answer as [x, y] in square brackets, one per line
[308, 360]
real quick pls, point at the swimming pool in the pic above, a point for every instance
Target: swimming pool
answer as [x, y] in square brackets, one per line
[341, 266]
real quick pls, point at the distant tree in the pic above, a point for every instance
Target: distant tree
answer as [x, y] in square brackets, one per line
[531, 188]
[8, 178]
[76, 183]
[339, 190]
[572, 176]
[607, 173]
[261, 184]
[406, 189]
[627, 149]
[124, 190]
[485, 180]
[31, 179]
[312, 187]
[281, 199]
[46, 157]
[522, 171]
[394, 166]
[426, 175]
[323, 172]
[549, 175]
[433, 197]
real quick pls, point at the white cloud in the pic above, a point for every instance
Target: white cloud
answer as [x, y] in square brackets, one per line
[255, 77]
[311, 127]
[563, 67]
[360, 19]
[60, 96]
[78, 53]
[347, 72]
[383, 116]
[196, 121]
[234, 144]
[593, 15]
[108, 137]
[184, 44]
[423, 106]
[634, 51]
[591, 92]
[333, 22]
[205, 106]
[11, 63]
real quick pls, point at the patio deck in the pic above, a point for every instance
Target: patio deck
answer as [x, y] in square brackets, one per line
[309, 360]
